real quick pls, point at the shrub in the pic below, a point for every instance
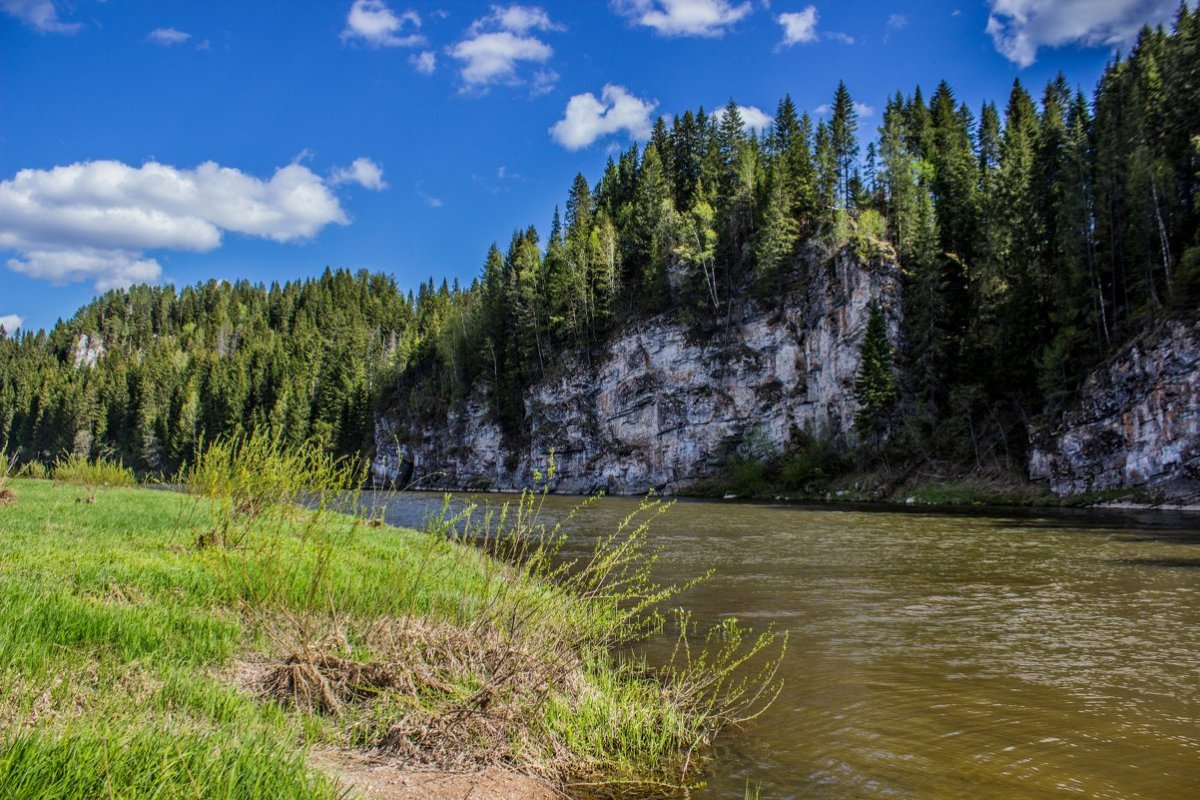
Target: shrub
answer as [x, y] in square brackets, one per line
[7, 496]
[870, 236]
[78, 470]
[34, 470]
[257, 474]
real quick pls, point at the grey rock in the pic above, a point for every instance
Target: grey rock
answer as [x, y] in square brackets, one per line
[661, 408]
[1134, 425]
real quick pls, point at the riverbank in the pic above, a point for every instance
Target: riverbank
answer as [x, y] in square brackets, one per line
[145, 642]
[933, 485]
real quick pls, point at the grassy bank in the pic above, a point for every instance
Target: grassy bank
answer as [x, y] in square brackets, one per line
[916, 488]
[160, 645]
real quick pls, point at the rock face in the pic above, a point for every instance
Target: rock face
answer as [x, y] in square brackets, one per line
[1135, 423]
[88, 350]
[663, 406]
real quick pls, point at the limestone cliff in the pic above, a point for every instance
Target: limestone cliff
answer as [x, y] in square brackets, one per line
[1135, 423]
[664, 404]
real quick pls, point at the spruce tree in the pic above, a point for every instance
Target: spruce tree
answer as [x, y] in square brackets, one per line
[875, 386]
[843, 136]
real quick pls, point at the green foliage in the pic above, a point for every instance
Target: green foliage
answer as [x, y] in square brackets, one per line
[255, 475]
[869, 236]
[35, 470]
[91, 473]
[142, 375]
[875, 387]
[806, 469]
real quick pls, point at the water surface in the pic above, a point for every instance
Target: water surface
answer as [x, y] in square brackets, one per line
[944, 655]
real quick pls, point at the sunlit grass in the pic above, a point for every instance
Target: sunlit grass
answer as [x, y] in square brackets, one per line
[123, 628]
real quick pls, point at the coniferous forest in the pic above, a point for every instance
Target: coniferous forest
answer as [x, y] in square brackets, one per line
[1036, 235]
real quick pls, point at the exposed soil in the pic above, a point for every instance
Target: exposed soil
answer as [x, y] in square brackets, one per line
[376, 779]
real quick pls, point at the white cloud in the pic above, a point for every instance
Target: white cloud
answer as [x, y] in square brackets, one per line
[799, 27]
[107, 269]
[587, 119]
[753, 118]
[424, 63]
[94, 220]
[1019, 28]
[428, 199]
[492, 57]
[862, 109]
[844, 38]
[378, 26]
[363, 171]
[41, 15]
[168, 36]
[709, 18]
[516, 18]
[544, 81]
[897, 22]
[495, 45]
[10, 322]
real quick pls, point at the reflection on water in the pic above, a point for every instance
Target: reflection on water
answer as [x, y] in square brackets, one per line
[945, 655]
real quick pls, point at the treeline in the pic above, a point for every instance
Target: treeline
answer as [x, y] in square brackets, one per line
[1034, 239]
[704, 214]
[145, 374]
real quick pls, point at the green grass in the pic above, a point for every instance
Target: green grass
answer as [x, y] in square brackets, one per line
[122, 625]
[109, 631]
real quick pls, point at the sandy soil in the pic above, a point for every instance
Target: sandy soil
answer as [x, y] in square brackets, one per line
[376, 779]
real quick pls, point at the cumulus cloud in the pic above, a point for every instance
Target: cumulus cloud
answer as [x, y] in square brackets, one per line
[10, 322]
[363, 171]
[106, 269]
[424, 63]
[587, 119]
[373, 23]
[1019, 28]
[92, 221]
[753, 118]
[168, 36]
[516, 18]
[495, 45]
[41, 15]
[799, 27]
[708, 18]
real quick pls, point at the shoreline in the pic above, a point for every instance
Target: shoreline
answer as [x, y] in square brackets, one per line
[309, 651]
[982, 502]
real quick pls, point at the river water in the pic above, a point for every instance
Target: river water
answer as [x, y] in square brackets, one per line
[944, 655]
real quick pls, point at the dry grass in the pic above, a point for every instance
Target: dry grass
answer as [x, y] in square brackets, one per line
[7, 496]
[524, 680]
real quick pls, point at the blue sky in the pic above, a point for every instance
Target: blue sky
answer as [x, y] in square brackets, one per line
[266, 139]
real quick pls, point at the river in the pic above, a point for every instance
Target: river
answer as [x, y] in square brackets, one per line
[944, 655]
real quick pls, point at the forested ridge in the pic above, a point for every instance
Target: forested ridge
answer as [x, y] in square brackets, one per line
[1035, 237]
